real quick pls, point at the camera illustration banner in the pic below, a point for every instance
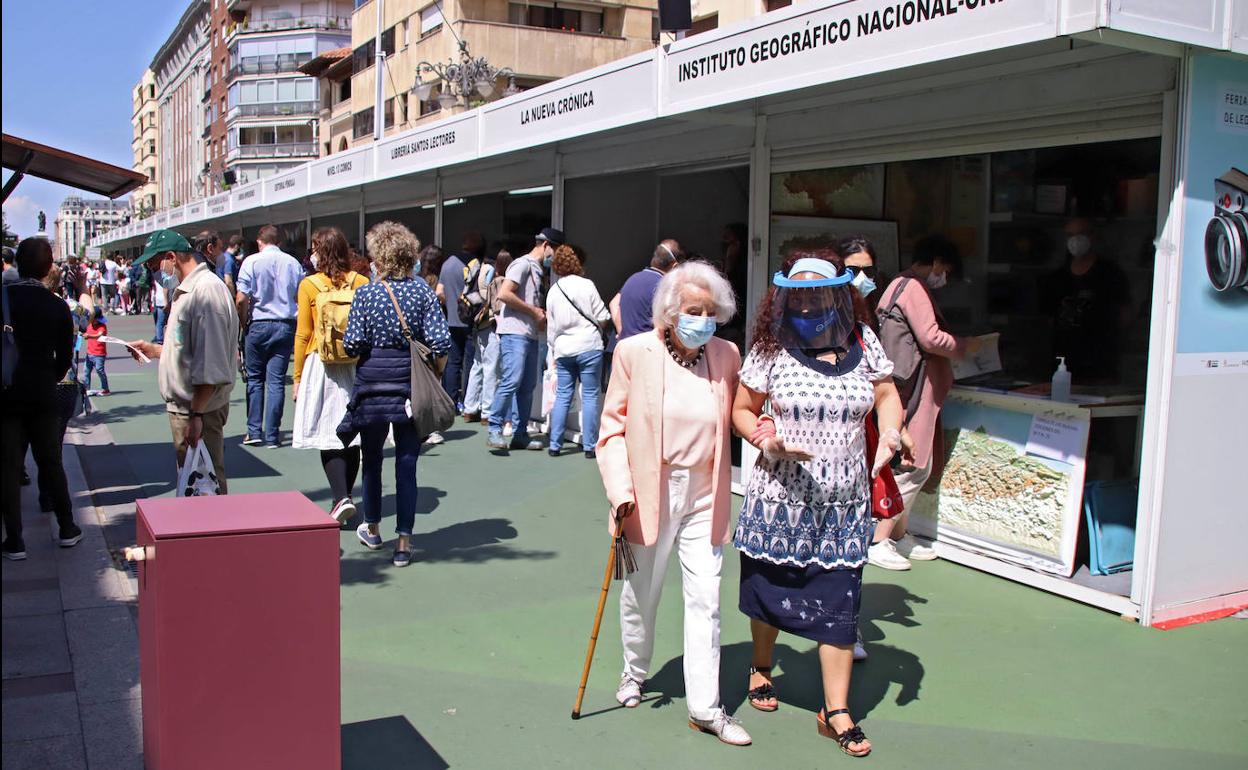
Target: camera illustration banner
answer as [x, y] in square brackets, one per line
[1213, 287]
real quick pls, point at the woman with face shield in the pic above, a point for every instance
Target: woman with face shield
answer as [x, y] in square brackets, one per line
[805, 524]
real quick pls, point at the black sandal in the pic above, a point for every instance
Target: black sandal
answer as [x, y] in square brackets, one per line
[852, 735]
[763, 691]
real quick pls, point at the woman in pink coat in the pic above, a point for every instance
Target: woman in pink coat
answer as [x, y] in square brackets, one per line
[664, 456]
[935, 260]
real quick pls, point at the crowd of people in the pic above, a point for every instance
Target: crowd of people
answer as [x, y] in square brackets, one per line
[845, 441]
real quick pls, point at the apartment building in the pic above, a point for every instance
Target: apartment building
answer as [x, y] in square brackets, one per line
[179, 68]
[332, 71]
[261, 112]
[539, 40]
[78, 220]
[144, 143]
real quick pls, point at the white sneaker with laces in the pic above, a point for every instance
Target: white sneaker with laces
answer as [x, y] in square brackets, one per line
[884, 555]
[913, 550]
[727, 729]
[860, 652]
[435, 438]
[629, 694]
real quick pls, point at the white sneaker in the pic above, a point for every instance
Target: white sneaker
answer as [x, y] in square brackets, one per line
[884, 555]
[629, 694]
[860, 652]
[727, 729]
[343, 510]
[915, 551]
[435, 438]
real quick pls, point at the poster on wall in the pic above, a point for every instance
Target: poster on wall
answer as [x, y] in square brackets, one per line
[1213, 288]
[854, 192]
[789, 233]
[1013, 481]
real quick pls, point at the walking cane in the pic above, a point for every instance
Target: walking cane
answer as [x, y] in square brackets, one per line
[619, 563]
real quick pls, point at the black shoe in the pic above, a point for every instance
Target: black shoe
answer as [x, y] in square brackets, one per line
[70, 536]
[14, 550]
[553, 452]
[590, 454]
[533, 444]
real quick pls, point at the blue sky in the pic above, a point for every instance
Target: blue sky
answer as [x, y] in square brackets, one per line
[68, 67]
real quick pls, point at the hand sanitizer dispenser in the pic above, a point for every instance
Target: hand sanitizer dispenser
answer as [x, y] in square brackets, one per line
[1060, 389]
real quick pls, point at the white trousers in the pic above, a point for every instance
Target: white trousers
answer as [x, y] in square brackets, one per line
[687, 527]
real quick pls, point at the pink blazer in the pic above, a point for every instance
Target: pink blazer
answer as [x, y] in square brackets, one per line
[920, 310]
[630, 443]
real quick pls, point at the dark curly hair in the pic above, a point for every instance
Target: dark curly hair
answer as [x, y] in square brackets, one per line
[769, 315]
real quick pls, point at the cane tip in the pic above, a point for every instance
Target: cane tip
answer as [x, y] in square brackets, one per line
[576, 715]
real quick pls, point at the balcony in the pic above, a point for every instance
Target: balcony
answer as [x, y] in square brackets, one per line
[270, 64]
[546, 53]
[285, 150]
[251, 26]
[272, 109]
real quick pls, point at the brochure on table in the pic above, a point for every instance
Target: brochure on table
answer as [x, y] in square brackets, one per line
[1013, 480]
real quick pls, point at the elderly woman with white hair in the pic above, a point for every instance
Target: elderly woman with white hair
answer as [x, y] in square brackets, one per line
[665, 461]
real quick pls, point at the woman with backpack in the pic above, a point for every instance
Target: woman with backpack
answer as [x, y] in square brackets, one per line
[324, 373]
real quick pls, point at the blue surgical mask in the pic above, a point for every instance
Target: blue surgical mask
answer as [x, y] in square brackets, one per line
[695, 331]
[863, 284]
[546, 263]
[810, 327]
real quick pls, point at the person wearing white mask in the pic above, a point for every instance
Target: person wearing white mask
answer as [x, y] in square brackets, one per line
[665, 458]
[912, 293]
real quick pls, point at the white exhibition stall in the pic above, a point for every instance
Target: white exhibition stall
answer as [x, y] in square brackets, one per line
[992, 122]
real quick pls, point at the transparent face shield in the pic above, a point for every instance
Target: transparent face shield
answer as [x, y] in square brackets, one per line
[814, 306]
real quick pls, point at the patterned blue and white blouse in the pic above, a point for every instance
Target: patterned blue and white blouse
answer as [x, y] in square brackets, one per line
[373, 323]
[817, 511]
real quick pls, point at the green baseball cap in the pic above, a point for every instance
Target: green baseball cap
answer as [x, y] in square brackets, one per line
[163, 241]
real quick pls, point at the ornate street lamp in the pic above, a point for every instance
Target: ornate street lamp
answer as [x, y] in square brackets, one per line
[462, 79]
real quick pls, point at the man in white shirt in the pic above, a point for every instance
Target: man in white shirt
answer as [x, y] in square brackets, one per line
[518, 325]
[108, 283]
[268, 283]
[575, 316]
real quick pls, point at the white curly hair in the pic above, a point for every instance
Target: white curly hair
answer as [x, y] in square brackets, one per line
[667, 296]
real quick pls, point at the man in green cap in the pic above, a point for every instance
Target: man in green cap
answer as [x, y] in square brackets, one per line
[197, 359]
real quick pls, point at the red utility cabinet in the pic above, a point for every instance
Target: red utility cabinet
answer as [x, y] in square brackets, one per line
[239, 632]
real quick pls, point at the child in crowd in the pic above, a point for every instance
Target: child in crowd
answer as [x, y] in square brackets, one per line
[97, 351]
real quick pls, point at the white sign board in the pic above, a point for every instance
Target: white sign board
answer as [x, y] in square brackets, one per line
[447, 142]
[160, 220]
[341, 170]
[218, 205]
[177, 216]
[600, 99]
[283, 187]
[1056, 438]
[808, 46]
[246, 197]
[195, 211]
[93, 252]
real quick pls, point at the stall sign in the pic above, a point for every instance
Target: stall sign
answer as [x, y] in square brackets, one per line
[219, 205]
[246, 197]
[177, 216]
[283, 187]
[615, 95]
[808, 46]
[341, 170]
[447, 142]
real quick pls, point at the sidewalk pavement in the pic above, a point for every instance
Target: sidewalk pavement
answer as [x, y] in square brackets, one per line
[71, 654]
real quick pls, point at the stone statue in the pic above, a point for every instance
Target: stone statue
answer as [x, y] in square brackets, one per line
[43, 222]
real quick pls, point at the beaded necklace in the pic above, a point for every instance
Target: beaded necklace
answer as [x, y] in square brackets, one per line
[671, 349]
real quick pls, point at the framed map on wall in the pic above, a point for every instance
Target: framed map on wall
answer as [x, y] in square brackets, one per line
[789, 233]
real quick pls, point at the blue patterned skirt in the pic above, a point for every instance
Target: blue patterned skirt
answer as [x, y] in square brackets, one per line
[812, 602]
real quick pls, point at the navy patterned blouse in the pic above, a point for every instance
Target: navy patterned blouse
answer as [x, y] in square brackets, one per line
[374, 324]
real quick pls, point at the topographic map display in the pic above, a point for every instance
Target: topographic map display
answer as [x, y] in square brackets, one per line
[996, 498]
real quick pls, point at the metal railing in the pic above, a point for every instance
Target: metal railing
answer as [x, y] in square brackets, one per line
[269, 109]
[270, 64]
[280, 150]
[301, 22]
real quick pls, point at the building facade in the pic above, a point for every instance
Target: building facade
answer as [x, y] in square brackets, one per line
[145, 144]
[263, 112]
[332, 71]
[78, 220]
[179, 68]
[539, 41]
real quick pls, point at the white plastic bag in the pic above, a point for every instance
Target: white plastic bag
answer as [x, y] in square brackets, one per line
[197, 477]
[550, 383]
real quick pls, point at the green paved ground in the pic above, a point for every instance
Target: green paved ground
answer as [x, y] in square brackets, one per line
[470, 657]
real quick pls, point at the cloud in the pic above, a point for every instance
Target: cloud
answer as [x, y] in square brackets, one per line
[22, 213]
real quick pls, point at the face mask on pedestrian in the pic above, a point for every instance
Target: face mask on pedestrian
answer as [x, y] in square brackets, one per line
[937, 280]
[315, 259]
[1078, 245]
[813, 323]
[863, 284]
[694, 331]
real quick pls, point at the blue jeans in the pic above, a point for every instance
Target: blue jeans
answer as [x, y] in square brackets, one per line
[483, 377]
[406, 452]
[514, 397]
[96, 363]
[585, 368]
[269, 347]
[162, 318]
